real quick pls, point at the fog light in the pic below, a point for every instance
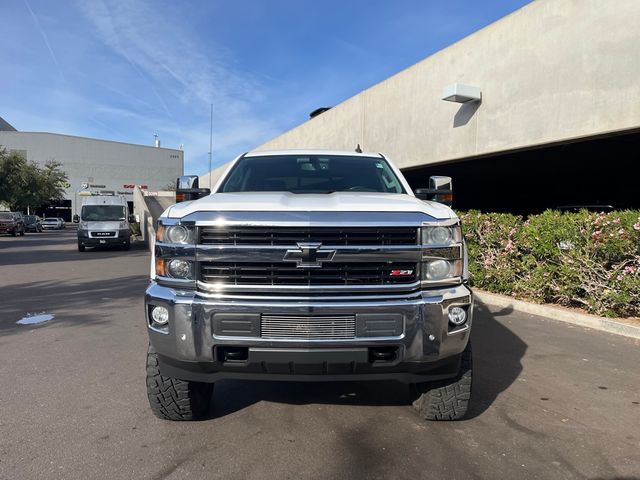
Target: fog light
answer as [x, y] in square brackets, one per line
[438, 270]
[179, 268]
[160, 315]
[457, 316]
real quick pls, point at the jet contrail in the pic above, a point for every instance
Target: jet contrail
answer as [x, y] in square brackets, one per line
[155, 92]
[45, 38]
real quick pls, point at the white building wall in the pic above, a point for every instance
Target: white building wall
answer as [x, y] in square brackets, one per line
[553, 71]
[99, 165]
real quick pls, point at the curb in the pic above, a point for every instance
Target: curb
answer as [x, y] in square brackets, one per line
[559, 314]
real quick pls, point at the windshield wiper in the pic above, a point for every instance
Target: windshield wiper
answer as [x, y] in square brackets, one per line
[321, 192]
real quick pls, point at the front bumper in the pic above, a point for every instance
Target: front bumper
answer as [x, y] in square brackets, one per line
[426, 347]
[87, 239]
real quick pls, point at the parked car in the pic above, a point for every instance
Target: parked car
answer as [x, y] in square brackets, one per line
[52, 223]
[32, 223]
[64, 224]
[11, 223]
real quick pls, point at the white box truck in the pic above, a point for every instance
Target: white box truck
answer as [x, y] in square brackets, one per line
[104, 222]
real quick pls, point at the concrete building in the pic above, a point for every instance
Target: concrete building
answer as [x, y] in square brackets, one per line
[96, 166]
[558, 122]
[5, 126]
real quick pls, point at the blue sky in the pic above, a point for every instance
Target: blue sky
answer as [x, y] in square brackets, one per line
[124, 70]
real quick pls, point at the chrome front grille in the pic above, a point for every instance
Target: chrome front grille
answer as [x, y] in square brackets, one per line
[310, 259]
[324, 327]
[382, 236]
[286, 273]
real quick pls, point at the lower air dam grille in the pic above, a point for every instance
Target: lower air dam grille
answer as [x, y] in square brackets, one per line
[308, 327]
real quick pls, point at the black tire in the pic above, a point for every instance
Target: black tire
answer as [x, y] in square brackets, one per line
[81, 248]
[174, 399]
[14, 233]
[446, 399]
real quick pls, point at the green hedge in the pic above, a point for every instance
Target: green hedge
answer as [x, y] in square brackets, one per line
[586, 260]
[135, 229]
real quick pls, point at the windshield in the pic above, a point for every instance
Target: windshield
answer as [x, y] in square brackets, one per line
[6, 216]
[102, 213]
[312, 174]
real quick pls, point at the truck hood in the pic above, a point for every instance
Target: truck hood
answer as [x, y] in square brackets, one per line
[293, 202]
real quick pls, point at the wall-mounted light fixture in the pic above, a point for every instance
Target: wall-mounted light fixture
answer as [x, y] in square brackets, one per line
[461, 93]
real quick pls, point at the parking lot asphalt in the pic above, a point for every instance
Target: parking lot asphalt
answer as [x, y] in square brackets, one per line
[549, 400]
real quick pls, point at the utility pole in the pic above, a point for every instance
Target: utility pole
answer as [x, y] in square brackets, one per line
[210, 145]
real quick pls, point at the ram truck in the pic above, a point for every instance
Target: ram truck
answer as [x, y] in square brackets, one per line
[104, 222]
[309, 266]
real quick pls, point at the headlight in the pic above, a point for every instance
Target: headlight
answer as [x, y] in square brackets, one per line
[442, 253]
[123, 225]
[177, 268]
[83, 225]
[441, 235]
[438, 270]
[175, 234]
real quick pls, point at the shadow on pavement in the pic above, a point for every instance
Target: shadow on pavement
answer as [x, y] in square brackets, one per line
[230, 396]
[497, 353]
[80, 303]
[35, 239]
[617, 478]
[27, 257]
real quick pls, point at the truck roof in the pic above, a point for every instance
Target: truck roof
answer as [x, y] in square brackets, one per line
[104, 200]
[350, 153]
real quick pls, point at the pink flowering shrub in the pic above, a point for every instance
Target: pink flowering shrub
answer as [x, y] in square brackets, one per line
[493, 249]
[586, 260]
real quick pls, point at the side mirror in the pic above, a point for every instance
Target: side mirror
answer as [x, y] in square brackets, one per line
[440, 190]
[132, 219]
[76, 218]
[187, 188]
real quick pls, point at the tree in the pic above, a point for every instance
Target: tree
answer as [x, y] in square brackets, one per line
[25, 184]
[169, 187]
[53, 182]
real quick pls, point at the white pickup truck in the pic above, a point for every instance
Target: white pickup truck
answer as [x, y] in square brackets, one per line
[309, 266]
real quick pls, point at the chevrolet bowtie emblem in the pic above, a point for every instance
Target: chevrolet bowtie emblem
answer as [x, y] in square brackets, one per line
[309, 255]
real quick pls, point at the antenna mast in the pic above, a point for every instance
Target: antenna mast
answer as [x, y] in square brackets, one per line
[210, 145]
